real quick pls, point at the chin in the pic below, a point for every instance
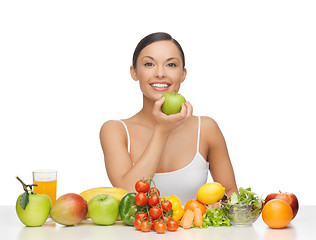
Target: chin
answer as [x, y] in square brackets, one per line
[153, 96]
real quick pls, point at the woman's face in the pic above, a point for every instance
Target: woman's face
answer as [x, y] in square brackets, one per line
[159, 69]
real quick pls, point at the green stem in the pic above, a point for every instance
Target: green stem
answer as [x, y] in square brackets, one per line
[152, 181]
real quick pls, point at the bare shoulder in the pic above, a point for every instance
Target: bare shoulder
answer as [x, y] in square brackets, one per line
[211, 130]
[209, 123]
[110, 124]
[111, 128]
[114, 140]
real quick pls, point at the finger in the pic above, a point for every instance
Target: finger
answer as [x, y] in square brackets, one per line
[189, 109]
[158, 104]
[180, 115]
[183, 111]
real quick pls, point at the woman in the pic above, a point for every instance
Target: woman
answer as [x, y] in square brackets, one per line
[176, 150]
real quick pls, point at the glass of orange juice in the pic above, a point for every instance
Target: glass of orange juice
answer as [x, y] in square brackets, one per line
[46, 181]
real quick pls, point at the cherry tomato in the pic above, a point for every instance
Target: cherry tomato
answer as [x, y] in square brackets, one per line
[166, 205]
[140, 199]
[155, 212]
[172, 225]
[142, 186]
[153, 200]
[141, 215]
[154, 190]
[137, 223]
[160, 227]
[145, 226]
[154, 223]
[165, 218]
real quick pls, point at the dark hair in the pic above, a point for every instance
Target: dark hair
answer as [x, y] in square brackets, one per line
[155, 37]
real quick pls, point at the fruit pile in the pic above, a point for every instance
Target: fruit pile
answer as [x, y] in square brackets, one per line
[146, 210]
[100, 204]
[279, 209]
[162, 213]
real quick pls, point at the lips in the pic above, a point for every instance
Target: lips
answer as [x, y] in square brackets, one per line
[160, 86]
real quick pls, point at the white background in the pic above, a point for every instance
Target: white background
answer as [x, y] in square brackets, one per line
[64, 71]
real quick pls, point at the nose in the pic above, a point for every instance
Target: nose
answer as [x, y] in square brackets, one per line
[160, 72]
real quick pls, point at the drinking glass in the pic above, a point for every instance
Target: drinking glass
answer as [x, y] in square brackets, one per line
[46, 181]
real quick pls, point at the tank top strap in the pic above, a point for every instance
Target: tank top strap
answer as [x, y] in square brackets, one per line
[128, 138]
[129, 141]
[198, 138]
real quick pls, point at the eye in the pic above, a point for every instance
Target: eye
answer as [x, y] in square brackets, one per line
[171, 65]
[148, 64]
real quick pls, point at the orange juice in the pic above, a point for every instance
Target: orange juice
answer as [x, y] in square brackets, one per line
[46, 187]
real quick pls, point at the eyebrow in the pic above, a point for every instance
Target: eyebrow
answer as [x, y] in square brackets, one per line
[167, 59]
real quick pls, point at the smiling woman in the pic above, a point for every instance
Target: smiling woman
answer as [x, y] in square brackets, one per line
[176, 150]
[159, 68]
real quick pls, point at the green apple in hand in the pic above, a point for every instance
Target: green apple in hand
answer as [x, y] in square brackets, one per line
[103, 209]
[32, 208]
[172, 103]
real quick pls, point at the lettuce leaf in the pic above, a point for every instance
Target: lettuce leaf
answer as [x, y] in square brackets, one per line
[215, 217]
[245, 197]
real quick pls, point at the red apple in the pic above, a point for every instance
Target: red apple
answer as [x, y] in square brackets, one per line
[69, 209]
[290, 198]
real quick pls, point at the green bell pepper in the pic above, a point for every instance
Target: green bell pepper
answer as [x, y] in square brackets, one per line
[128, 209]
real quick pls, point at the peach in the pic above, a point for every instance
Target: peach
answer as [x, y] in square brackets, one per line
[69, 209]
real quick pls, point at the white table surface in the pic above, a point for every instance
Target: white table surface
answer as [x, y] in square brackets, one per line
[302, 227]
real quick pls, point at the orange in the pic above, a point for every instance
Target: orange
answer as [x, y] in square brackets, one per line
[192, 204]
[277, 213]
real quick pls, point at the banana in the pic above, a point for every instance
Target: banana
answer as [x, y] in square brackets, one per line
[116, 192]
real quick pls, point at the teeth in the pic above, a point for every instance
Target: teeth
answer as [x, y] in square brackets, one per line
[160, 85]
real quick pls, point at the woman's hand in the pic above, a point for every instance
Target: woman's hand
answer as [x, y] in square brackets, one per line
[166, 123]
[214, 205]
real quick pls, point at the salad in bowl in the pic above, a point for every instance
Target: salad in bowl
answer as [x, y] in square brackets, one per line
[243, 208]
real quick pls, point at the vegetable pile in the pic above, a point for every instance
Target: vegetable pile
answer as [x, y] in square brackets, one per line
[145, 210]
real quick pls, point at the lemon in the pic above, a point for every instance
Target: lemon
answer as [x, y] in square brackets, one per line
[210, 193]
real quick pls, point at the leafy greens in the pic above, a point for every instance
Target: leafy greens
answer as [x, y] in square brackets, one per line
[215, 217]
[245, 197]
[244, 207]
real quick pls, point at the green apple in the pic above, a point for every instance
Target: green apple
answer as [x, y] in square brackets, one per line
[103, 209]
[172, 103]
[35, 210]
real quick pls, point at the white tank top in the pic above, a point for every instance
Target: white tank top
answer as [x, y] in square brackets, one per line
[184, 182]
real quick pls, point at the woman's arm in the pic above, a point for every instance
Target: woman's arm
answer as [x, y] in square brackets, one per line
[221, 168]
[118, 162]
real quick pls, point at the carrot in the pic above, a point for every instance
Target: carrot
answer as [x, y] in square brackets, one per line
[198, 220]
[187, 219]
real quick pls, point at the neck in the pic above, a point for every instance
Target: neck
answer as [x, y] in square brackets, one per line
[146, 113]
